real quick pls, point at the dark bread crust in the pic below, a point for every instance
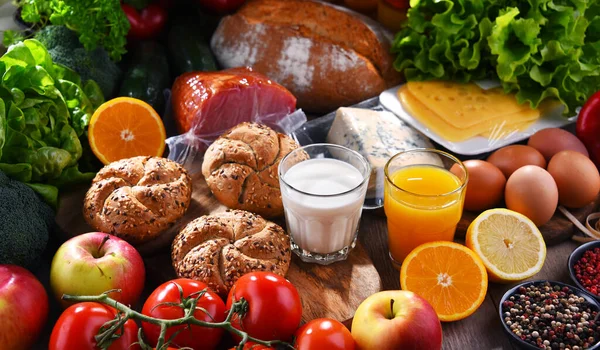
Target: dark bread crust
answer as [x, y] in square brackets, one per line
[218, 249]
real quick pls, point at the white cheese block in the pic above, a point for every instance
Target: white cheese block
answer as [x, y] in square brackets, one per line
[377, 136]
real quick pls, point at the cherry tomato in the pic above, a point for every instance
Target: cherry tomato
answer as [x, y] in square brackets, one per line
[79, 323]
[399, 4]
[324, 333]
[146, 23]
[274, 306]
[195, 337]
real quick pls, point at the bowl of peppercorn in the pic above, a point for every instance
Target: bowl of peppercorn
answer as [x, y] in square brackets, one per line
[584, 267]
[550, 315]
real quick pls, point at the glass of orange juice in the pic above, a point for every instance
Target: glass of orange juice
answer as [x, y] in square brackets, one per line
[423, 199]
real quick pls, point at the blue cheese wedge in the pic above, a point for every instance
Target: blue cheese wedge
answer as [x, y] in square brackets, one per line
[377, 136]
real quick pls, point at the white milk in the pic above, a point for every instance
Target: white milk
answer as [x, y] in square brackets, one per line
[323, 224]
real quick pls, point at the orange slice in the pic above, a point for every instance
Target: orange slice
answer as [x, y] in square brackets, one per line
[450, 276]
[126, 127]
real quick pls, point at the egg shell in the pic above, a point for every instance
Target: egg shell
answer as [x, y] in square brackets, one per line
[510, 158]
[576, 177]
[553, 140]
[485, 188]
[531, 191]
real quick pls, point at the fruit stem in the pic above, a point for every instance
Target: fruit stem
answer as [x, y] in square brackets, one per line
[391, 309]
[104, 240]
[111, 328]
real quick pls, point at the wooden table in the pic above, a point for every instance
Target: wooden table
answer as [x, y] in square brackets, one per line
[480, 331]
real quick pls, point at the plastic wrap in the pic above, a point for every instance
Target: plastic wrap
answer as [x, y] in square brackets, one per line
[206, 105]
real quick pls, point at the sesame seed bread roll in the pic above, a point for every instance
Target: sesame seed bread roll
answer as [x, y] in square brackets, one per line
[218, 249]
[240, 168]
[138, 198]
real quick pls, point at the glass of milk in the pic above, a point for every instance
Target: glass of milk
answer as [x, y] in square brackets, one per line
[323, 188]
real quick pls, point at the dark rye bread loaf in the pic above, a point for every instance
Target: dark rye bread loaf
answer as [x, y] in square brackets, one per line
[218, 249]
[325, 55]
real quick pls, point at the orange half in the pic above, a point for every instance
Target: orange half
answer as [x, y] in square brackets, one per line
[126, 127]
[450, 276]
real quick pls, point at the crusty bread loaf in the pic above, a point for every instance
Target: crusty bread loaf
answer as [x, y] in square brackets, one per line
[137, 198]
[325, 55]
[218, 249]
[240, 168]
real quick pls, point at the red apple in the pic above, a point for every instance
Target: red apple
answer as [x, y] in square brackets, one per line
[396, 319]
[95, 262]
[23, 308]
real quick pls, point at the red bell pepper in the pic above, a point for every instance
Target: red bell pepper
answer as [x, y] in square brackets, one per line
[399, 4]
[588, 127]
[222, 6]
[146, 23]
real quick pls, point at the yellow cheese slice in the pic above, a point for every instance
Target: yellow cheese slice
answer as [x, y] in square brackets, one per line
[465, 105]
[498, 127]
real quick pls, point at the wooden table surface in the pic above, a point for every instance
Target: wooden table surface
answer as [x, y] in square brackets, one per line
[482, 330]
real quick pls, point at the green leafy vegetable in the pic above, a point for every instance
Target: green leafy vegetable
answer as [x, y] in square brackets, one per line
[539, 49]
[44, 113]
[98, 23]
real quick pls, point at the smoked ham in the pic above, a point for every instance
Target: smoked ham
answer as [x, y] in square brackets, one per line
[210, 103]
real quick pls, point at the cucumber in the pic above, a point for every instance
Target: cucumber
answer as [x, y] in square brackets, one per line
[148, 75]
[189, 49]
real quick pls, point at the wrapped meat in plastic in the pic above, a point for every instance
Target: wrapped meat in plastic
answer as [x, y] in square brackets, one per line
[207, 104]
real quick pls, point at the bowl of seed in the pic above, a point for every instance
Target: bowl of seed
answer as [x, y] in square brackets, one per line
[584, 267]
[550, 315]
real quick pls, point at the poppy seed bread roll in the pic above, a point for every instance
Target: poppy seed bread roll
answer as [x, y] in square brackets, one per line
[240, 168]
[136, 199]
[218, 249]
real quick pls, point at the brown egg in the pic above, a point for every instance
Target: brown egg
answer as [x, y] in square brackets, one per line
[510, 158]
[485, 187]
[553, 140]
[532, 192]
[576, 177]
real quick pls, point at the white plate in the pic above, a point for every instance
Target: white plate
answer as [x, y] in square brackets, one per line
[476, 145]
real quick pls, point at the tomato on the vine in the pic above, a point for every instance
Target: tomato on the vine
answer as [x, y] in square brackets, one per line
[274, 306]
[195, 337]
[253, 346]
[79, 324]
[324, 333]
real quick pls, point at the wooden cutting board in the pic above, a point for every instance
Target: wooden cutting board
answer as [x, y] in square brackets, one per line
[333, 291]
[555, 231]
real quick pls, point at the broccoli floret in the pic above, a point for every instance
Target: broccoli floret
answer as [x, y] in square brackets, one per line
[25, 222]
[65, 48]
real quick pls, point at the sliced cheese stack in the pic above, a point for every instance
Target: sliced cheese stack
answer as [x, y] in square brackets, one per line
[377, 136]
[458, 112]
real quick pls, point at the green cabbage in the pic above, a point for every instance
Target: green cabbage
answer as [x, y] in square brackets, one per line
[538, 49]
[44, 112]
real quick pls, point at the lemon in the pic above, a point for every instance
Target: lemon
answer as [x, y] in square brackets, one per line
[509, 244]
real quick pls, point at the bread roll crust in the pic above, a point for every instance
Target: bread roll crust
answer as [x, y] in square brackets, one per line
[218, 249]
[240, 168]
[137, 198]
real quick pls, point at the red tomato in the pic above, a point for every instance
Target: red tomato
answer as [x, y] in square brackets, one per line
[147, 23]
[79, 323]
[23, 307]
[274, 306]
[195, 337]
[588, 127]
[253, 346]
[324, 333]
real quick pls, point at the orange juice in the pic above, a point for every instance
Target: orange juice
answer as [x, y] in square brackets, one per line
[425, 205]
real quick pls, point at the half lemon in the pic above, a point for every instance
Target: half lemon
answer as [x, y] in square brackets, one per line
[509, 244]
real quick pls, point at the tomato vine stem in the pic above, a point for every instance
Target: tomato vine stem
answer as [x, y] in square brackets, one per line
[109, 331]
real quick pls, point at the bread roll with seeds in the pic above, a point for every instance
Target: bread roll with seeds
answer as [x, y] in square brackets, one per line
[218, 249]
[137, 198]
[240, 168]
